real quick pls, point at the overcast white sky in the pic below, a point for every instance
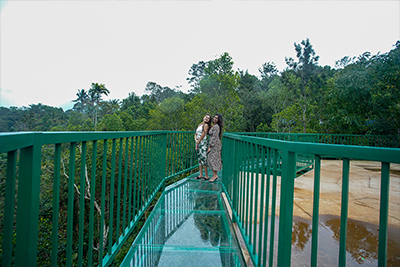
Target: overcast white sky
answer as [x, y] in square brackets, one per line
[50, 49]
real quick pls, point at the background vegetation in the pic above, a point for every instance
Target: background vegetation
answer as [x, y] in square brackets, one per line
[359, 95]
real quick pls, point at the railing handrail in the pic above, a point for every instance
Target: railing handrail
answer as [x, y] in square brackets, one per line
[13, 141]
[390, 155]
[345, 139]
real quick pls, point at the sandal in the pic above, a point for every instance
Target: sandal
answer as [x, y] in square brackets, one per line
[199, 177]
[214, 180]
[205, 179]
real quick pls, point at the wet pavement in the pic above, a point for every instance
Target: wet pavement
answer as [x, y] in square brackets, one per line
[363, 215]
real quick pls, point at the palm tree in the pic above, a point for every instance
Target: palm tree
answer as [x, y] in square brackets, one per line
[81, 100]
[95, 93]
[110, 106]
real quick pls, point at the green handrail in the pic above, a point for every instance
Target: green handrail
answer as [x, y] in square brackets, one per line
[104, 181]
[240, 183]
[392, 141]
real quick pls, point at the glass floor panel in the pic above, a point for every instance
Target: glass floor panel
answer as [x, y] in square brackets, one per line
[187, 227]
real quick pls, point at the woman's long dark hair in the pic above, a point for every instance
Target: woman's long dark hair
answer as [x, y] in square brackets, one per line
[208, 123]
[220, 124]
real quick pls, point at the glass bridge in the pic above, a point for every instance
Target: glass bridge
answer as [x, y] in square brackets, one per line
[189, 226]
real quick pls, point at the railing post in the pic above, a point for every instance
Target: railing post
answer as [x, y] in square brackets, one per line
[163, 167]
[9, 207]
[383, 215]
[28, 204]
[288, 174]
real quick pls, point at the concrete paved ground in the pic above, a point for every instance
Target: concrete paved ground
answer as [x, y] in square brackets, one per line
[363, 214]
[364, 192]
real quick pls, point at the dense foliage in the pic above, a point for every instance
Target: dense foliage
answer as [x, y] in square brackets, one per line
[360, 95]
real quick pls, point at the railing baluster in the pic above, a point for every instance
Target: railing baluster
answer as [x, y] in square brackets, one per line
[243, 194]
[141, 173]
[315, 217]
[146, 169]
[136, 179]
[9, 208]
[344, 211]
[131, 167]
[286, 208]
[103, 200]
[256, 174]
[118, 221]
[247, 190]
[266, 184]
[383, 215]
[92, 199]
[82, 203]
[56, 204]
[28, 204]
[273, 205]
[112, 188]
[262, 200]
[124, 204]
[236, 186]
[70, 214]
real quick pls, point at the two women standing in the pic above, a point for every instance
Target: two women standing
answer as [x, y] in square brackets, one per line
[209, 153]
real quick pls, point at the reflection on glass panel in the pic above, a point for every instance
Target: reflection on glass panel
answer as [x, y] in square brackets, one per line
[188, 227]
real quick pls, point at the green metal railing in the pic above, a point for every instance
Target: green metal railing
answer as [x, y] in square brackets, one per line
[100, 184]
[392, 141]
[252, 192]
[73, 198]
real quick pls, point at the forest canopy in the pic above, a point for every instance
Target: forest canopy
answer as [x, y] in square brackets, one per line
[359, 95]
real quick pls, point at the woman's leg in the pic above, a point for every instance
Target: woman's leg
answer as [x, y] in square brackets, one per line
[206, 172]
[215, 176]
[201, 170]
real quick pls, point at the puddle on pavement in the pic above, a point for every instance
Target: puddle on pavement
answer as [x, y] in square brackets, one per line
[361, 245]
[377, 169]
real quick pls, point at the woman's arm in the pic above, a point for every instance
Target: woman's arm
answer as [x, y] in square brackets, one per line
[215, 135]
[195, 133]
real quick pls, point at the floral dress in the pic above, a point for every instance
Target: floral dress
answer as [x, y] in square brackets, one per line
[214, 157]
[202, 146]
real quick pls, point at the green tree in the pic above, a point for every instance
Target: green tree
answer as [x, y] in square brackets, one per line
[157, 93]
[194, 112]
[111, 122]
[220, 86]
[96, 91]
[109, 107]
[254, 112]
[277, 97]
[131, 101]
[196, 72]
[288, 120]
[81, 100]
[304, 68]
[385, 94]
[167, 115]
[364, 96]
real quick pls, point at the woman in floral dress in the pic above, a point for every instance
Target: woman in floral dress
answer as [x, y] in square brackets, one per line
[201, 145]
[214, 147]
